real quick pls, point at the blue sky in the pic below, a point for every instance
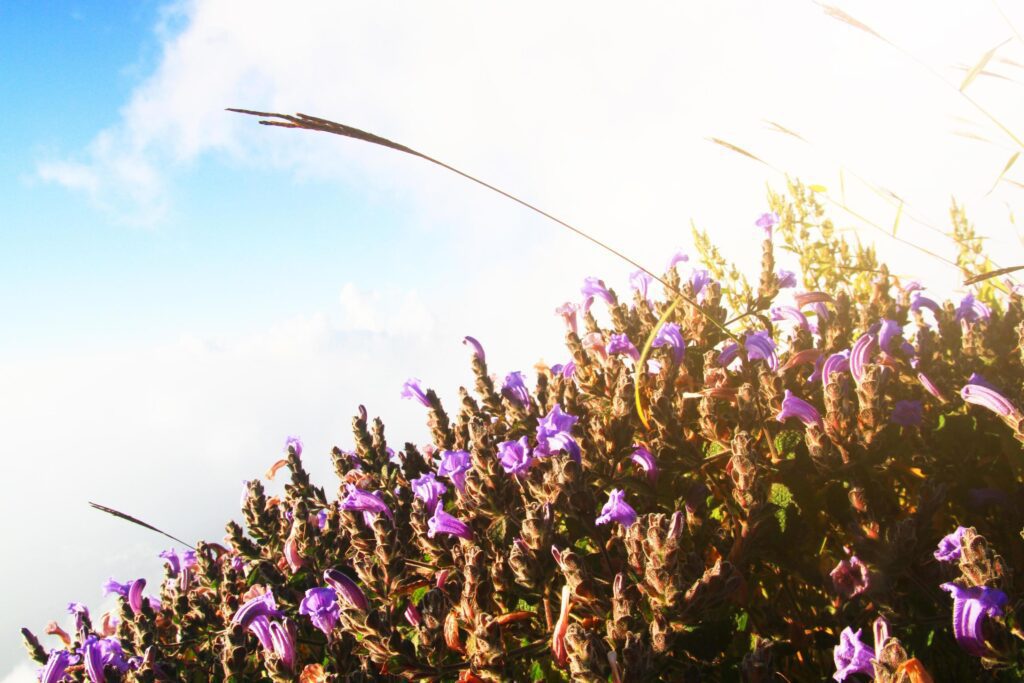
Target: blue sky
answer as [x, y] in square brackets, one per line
[181, 288]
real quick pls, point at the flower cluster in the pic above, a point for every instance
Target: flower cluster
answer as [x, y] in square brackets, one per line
[714, 491]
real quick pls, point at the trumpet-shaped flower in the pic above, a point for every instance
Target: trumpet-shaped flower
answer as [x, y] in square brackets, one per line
[594, 287]
[259, 606]
[620, 344]
[293, 443]
[861, 354]
[515, 456]
[428, 489]
[321, 606]
[370, 504]
[412, 389]
[617, 510]
[790, 313]
[971, 605]
[56, 666]
[851, 656]
[678, 257]
[837, 362]
[669, 336]
[641, 282]
[554, 433]
[988, 398]
[887, 331]
[851, 577]
[949, 547]
[767, 222]
[645, 459]
[478, 349]
[971, 310]
[514, 389]
[347, 589]
[568, 313]
[454, 465]
[443, 523]
[792, 406]
[785, 279]
[761, 345]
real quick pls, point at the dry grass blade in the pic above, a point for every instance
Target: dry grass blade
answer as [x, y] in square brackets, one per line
[778, 127]
[1006, 168]
[738, 150]
[842, 16]
[980, 66]
[971, 135]
[896, 223]
[991, 274]
[133, 520]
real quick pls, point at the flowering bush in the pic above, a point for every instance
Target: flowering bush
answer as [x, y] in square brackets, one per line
[792, 472]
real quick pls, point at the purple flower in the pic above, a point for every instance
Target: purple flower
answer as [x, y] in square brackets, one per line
[851, 577]
[785, 279]
[412, 389]
[55, 667]
[791, 313]
[793, 406]
[135, 595]
[888, 331]
[767, 221]
[930, 386]
[370, 504]
[592, 287]
[988, 398]
[643, 457]
[670, 336]
[619, 343]
[113, 587]
[970, 607]
[568, 313]
[949, 546]
[176, 561]
[413, 616]
[347, 588]
[851, 656]
[617, 510]
[321, 606]
[282, 638]
[443, 523]
[971, 310]
[728, 354]
[699, 279]
[820, 312]
[569, 369]
[678, 257]
[260, 606]
[907, 413]
[761, 345]
[293, 443]
[454, 465]
[478, 350]
[321, 519]
[514, 389]
[921, 301]
[975, 378]
[260, 627]
[80, 612]
[861, 354]
[428, 489]
[101, 653]
[554, 433]
[912, 286]
[837, 362]
[515, 456]
[640, 281]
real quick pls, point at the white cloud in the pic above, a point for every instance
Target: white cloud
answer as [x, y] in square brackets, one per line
[22, 673]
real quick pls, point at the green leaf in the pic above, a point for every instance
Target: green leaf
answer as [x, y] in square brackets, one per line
[782, 498]
[787, 441]
[418, 594]
[741, 618]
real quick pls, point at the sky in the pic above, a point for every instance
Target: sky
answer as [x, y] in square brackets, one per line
[181, 288]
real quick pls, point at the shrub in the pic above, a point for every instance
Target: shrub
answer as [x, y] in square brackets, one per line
[813, 489]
